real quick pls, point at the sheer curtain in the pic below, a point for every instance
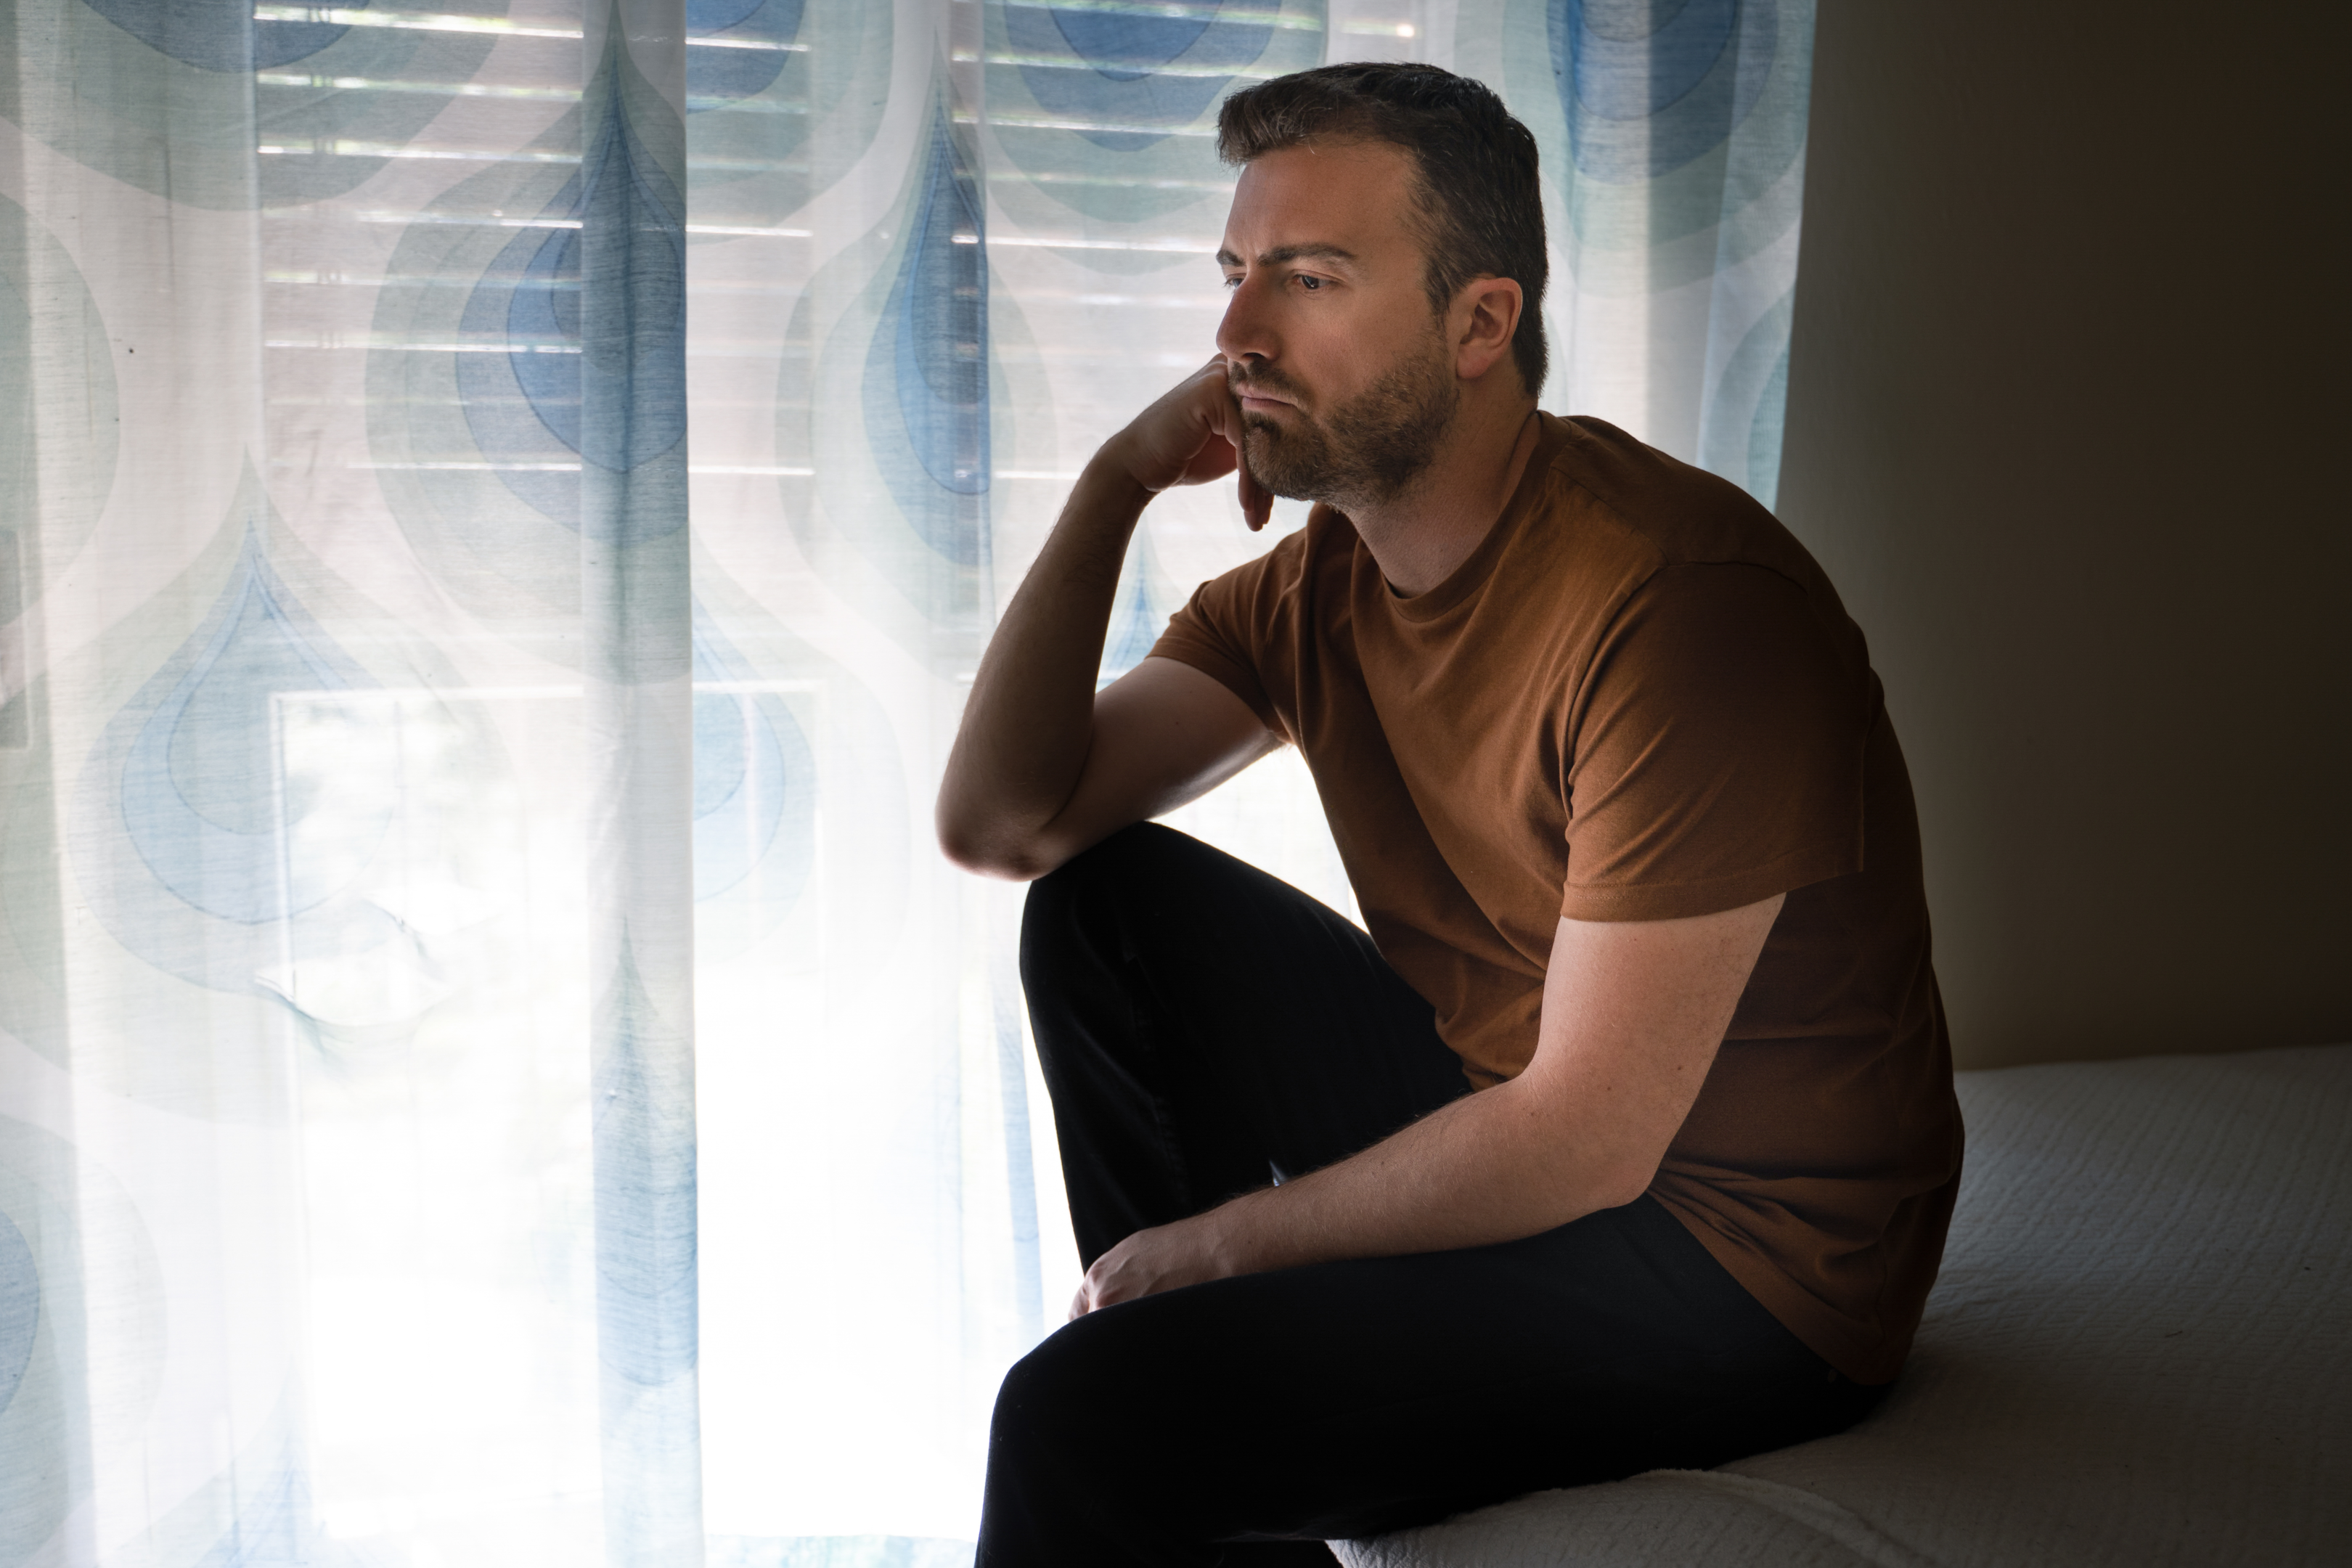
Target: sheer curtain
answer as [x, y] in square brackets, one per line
[492, 1069]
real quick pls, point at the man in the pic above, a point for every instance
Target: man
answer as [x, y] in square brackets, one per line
[1627, 1139]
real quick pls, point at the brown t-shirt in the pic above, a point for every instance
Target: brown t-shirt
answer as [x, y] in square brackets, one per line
[1640, 699]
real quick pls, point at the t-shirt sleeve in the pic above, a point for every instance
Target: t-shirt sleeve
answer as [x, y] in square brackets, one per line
[1225, 629]
[1714, 753]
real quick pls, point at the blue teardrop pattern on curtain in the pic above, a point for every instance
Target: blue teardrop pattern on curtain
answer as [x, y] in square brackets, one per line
[61, 429]
[20, 1308]
[56, 1200]
[757, 154]
[1648, 87]
[525, 408]
[717, 74]
[638, 347]
[172, 96]
[199, 796]
[646, 1176]
[1127, 47]
[544, 311]
[633, 320]
[927, 373]
[222, 35]
[754, 783]
[1739, 436]
[360, 94]
[1114, 83]
[1106, 111]
[522, 407]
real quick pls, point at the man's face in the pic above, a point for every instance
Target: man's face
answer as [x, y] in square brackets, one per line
[1346, 379]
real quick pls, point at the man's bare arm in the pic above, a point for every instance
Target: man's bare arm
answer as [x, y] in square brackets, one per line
[1632, 1015]
[1043, 767]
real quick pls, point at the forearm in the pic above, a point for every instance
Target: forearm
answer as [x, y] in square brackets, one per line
[1492, 1167]
[1028, 723]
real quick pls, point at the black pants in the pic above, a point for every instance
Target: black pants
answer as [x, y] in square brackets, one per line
[1203, 1027]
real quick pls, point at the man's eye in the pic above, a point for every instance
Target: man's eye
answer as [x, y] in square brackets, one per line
[1309, 282]
[1232, 279]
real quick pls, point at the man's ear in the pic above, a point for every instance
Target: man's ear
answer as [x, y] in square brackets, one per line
[1485, 318]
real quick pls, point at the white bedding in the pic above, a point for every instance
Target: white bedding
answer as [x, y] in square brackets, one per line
[2139, 1351]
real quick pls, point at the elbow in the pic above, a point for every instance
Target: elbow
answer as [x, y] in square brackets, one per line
[1623, 1180]
[1616, 1193]
[973, 847]
[1003, 865]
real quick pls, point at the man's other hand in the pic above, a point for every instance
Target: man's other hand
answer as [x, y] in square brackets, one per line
[1149, 1262]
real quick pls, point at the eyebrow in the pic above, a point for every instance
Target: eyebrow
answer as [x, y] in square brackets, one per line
[1282, 253]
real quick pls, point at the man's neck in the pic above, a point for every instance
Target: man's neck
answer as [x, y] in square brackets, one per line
[1419, 536]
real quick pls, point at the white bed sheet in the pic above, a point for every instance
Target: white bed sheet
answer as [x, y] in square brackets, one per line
[2139, 1351]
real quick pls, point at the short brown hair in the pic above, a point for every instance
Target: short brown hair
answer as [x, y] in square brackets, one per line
[1477, 188]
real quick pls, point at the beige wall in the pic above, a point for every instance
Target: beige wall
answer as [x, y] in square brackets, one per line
[2066, 417]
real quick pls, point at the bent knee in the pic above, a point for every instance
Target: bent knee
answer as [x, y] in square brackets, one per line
[1066, 1387]
[1078, 902]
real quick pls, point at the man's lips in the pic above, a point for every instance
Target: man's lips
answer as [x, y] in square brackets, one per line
[1255, 399]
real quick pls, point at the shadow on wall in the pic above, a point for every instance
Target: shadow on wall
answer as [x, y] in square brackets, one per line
[2059, 427]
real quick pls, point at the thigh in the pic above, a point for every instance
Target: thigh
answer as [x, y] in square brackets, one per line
[1347, 1399]
[1266, 1028]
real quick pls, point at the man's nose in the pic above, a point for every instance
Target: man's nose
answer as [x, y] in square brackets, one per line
[1246, 332]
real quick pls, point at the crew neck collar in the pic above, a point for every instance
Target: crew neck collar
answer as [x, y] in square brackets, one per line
[1468, 577]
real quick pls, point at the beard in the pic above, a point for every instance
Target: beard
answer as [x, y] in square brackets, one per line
[1364, 453]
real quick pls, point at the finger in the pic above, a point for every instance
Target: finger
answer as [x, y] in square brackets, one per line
[1213, 370]
[1215, 459]
[1257, 501]
[1078, 1305]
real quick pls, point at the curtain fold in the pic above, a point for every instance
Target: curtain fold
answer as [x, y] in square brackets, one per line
[637, 718]
[492, 1068]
